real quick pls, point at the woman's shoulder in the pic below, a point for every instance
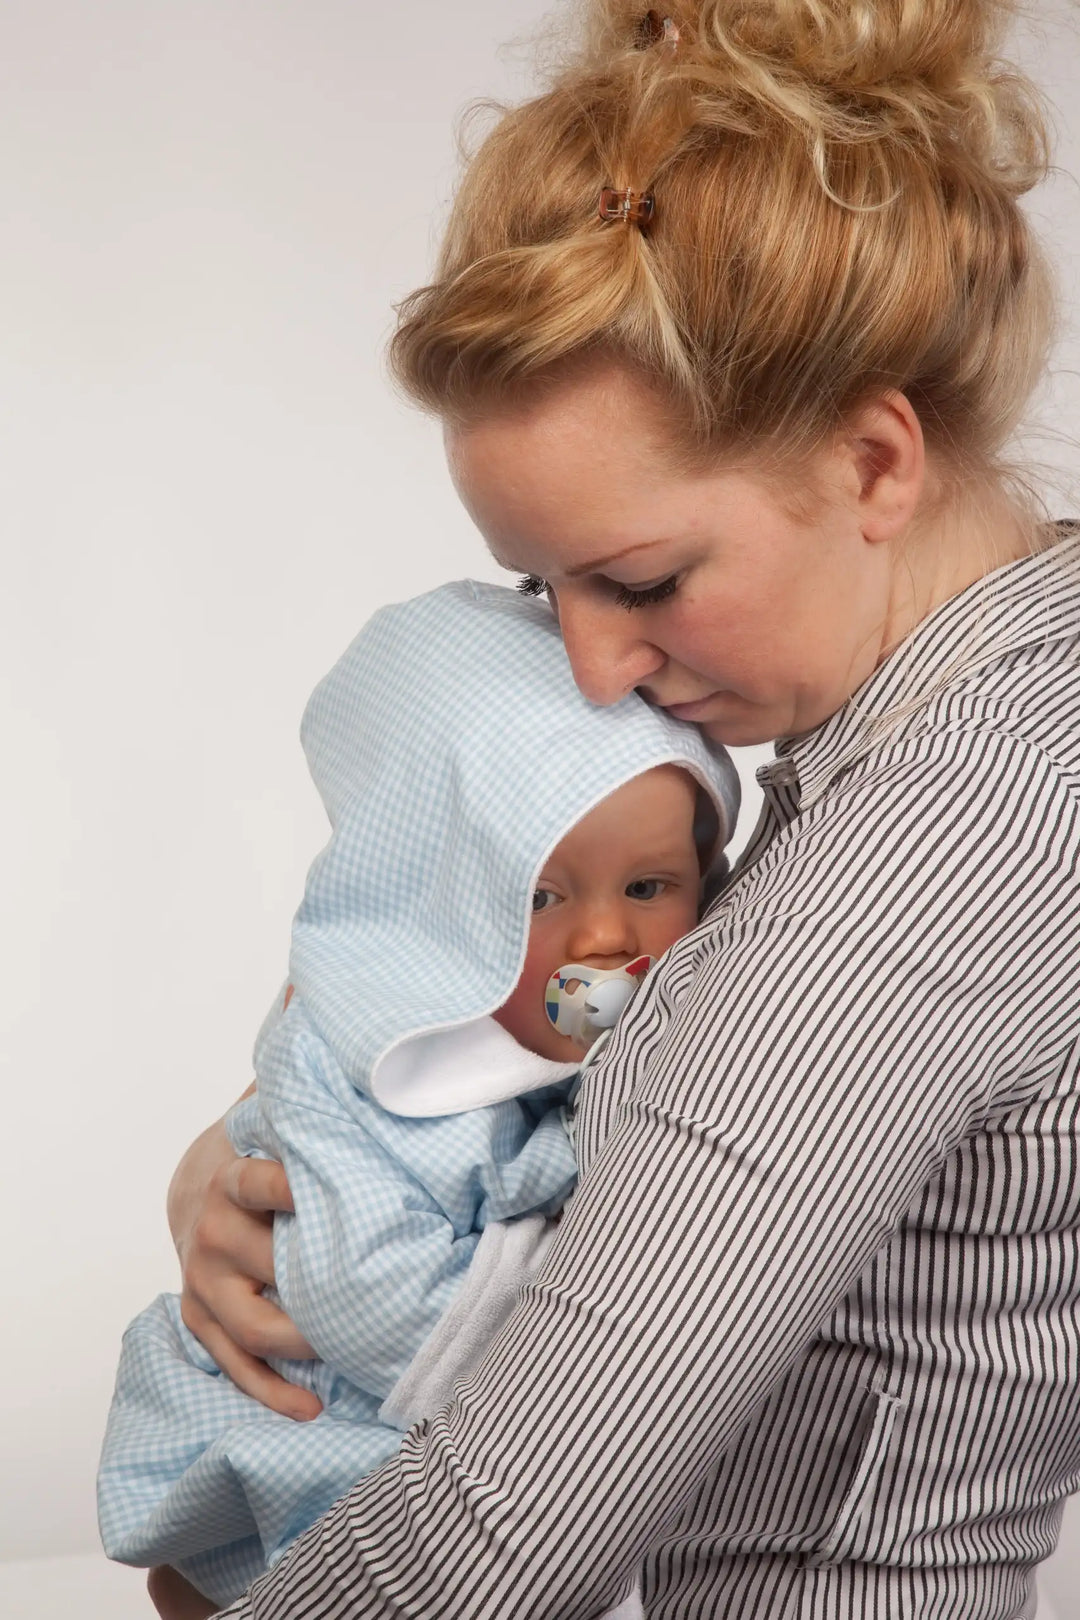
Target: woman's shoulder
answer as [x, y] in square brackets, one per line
[1013, 718]
[973, 798]
[970, 752]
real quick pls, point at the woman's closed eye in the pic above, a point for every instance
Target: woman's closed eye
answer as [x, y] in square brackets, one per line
[644, 595]
[626, 596]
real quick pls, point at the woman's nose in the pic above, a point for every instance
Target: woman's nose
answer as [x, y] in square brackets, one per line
[608, 658]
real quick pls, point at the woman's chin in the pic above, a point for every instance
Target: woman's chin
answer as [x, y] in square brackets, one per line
[746, 730]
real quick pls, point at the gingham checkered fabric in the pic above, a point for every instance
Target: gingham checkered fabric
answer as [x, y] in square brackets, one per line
[452, 751]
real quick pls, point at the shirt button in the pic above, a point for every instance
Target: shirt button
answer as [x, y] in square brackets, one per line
[778, 773]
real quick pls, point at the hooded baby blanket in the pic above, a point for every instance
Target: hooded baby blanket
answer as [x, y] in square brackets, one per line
[453, 752]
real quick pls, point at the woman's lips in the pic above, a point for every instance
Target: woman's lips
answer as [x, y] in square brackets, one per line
[697, 710]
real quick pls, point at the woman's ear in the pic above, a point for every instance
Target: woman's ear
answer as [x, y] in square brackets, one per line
[886, 464]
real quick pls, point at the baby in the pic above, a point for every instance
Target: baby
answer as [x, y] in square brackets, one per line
[506, 862]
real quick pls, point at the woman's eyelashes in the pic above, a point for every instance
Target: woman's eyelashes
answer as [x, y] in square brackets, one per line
[625, 596]
[628, 598]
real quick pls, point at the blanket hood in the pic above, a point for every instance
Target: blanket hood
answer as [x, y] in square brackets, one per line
[452, 751]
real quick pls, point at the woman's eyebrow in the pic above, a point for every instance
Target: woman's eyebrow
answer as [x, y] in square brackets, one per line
[585, 567]
[613, 556]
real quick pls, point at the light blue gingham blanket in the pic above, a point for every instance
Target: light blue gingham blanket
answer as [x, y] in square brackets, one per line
[452, 751]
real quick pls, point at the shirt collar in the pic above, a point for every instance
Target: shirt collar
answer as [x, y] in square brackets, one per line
[1031, 602]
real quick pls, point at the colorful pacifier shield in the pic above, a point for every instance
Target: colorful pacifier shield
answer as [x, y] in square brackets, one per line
[597, 998]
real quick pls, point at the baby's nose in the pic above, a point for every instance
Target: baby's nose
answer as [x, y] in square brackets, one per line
[605, 937]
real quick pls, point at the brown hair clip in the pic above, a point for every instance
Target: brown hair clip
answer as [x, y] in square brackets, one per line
[656, 30]
[627, 207]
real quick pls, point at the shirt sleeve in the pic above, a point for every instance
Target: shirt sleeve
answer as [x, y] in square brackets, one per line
[897, 966]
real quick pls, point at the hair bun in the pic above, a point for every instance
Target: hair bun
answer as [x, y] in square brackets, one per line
[849, 70]
[836, 42]
[860, 43]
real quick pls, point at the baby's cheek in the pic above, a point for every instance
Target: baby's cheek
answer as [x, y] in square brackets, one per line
[678, 920]
[523, 1013]
[524, 1017]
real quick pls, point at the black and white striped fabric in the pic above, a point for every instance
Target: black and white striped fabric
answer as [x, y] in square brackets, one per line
[808, 1343]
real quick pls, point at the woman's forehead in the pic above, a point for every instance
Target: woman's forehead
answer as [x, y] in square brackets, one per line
[605, 412]
[580, 476]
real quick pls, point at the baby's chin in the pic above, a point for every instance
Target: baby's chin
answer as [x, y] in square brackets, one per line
[558, 1048]
[536, 1035]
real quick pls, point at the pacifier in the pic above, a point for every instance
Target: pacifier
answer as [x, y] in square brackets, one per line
[582, 1002]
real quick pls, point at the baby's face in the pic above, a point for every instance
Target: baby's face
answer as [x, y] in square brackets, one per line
[623, 883]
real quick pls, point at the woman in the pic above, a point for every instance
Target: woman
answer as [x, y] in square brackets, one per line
[729, 331]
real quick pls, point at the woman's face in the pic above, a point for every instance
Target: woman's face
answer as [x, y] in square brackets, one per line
[700, 590]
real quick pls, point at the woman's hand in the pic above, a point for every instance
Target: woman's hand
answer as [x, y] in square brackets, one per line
[221, 1215]
[176, 1599]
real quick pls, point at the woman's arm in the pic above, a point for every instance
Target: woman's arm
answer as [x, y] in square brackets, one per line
[776, 1098]
[221, 1212]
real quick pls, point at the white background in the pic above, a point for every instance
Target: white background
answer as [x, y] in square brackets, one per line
[207, 208]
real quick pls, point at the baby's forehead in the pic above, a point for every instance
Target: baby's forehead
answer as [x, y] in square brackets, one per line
[667, 786]
[658, 805]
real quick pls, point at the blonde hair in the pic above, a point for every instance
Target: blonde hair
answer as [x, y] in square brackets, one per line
[836, 187]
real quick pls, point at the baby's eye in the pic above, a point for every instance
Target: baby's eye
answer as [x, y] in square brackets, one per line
[646, 888]
[543, 900]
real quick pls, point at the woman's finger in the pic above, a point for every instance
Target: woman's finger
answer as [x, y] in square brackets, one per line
[248, 1372]
[253, 1322]
[257, 1184]
[227, 1242]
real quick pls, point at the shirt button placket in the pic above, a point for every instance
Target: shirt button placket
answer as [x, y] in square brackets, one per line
[779, 782]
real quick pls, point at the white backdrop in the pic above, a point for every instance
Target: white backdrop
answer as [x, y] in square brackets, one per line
[207, 208]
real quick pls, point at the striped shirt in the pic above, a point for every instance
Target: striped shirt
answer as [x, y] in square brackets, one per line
[807, 1343]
